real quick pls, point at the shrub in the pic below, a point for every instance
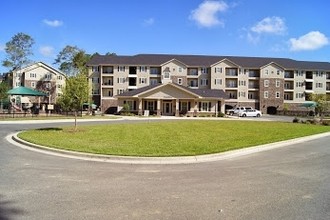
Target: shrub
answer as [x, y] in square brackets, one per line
[295, 120]
[220, 114]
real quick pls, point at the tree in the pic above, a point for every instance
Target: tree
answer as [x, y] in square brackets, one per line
[66, 60]
[4, 87]
[18, 49]
[75, 94]
[322, 104]
[80, 62]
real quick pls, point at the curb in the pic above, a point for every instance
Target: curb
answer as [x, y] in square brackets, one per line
[14, 139]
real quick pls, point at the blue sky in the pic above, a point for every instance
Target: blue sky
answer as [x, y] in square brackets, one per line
[274, 28]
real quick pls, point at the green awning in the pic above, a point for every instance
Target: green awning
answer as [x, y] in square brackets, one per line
[25, 91]
[309, 104]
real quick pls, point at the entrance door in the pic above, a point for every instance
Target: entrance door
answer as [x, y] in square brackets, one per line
[167, 108]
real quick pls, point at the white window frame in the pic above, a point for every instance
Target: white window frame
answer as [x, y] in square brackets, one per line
[153, 81]
[166, 75]
[205, 106]
[277, 95]
[218, 81]
[266, 95]
[204, 82]
[266, 83]
[278, 83]
[143, 80]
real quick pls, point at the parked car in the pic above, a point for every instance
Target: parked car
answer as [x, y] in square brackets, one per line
[236, 110]
[250, 113]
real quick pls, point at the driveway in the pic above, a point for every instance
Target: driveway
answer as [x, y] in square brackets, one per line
[285, 183]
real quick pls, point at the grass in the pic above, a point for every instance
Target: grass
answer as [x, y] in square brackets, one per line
[180, 138]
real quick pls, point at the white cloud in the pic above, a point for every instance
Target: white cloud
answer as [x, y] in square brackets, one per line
[148, 22]
[270, 25]
[2, 48]
[46, 51]
[311, 41]
[54, 23]
[206, 13]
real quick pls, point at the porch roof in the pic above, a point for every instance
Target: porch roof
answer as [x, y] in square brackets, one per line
[201, 93]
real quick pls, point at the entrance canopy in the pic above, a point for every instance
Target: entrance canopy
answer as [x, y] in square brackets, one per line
[309, 104]
[25, 91]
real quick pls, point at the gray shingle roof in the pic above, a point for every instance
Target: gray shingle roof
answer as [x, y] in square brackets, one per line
[205, 93]
[203, 60]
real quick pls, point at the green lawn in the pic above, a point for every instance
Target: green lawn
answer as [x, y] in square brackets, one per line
[179, 138]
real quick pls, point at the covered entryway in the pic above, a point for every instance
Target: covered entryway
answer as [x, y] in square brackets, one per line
[271, 110]
[167, 107]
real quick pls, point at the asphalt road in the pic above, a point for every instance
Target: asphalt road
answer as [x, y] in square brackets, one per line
[285, 183]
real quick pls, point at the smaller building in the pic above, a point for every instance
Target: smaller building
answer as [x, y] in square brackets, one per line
[42, 77]
[171, 99]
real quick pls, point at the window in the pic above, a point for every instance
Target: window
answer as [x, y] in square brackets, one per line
[204, 70]
[266, 94]
[319, 85]
[143, 80]
[278, 72]
[33, 84]
[47, 85]
[266, 83]
[143, 69]
[95, 80]
[121, 80]
[59, 77]
[205, 106]
[166, 75]
[204, 82]
[277, 94]
[95, 69]
[121, 68]
[120, 91]
[150, 105]
[180, 81]
[33, 75]
[299, 95]
[48, 76]
[180, 69]
[183, 106]
[218, 69]
[278, 83]
[242, 94]
[299, 84]
[218, 81]
[59, 86]
[266, 72]
[153, 81]
[95, 91]
[242, 83]
[154, 71]
[319, 74]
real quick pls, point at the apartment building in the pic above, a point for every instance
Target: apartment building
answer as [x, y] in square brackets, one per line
[268, 84]
[41, 77]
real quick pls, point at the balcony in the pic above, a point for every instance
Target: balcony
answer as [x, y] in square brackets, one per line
[254, 73]
[288, 86]
[193, 84]
[192, 72]
[231, 72]
[132, 70]
[107, 70]
[309, 75]
[253, 95]
[289, 74]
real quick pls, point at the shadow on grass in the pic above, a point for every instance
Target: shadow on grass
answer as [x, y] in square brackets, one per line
[49, 129]
[8, 211]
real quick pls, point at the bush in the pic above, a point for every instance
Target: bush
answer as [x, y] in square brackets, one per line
[295, 120]
[220, 114]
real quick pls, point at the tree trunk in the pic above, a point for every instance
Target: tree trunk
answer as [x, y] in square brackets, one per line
[75, 121]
